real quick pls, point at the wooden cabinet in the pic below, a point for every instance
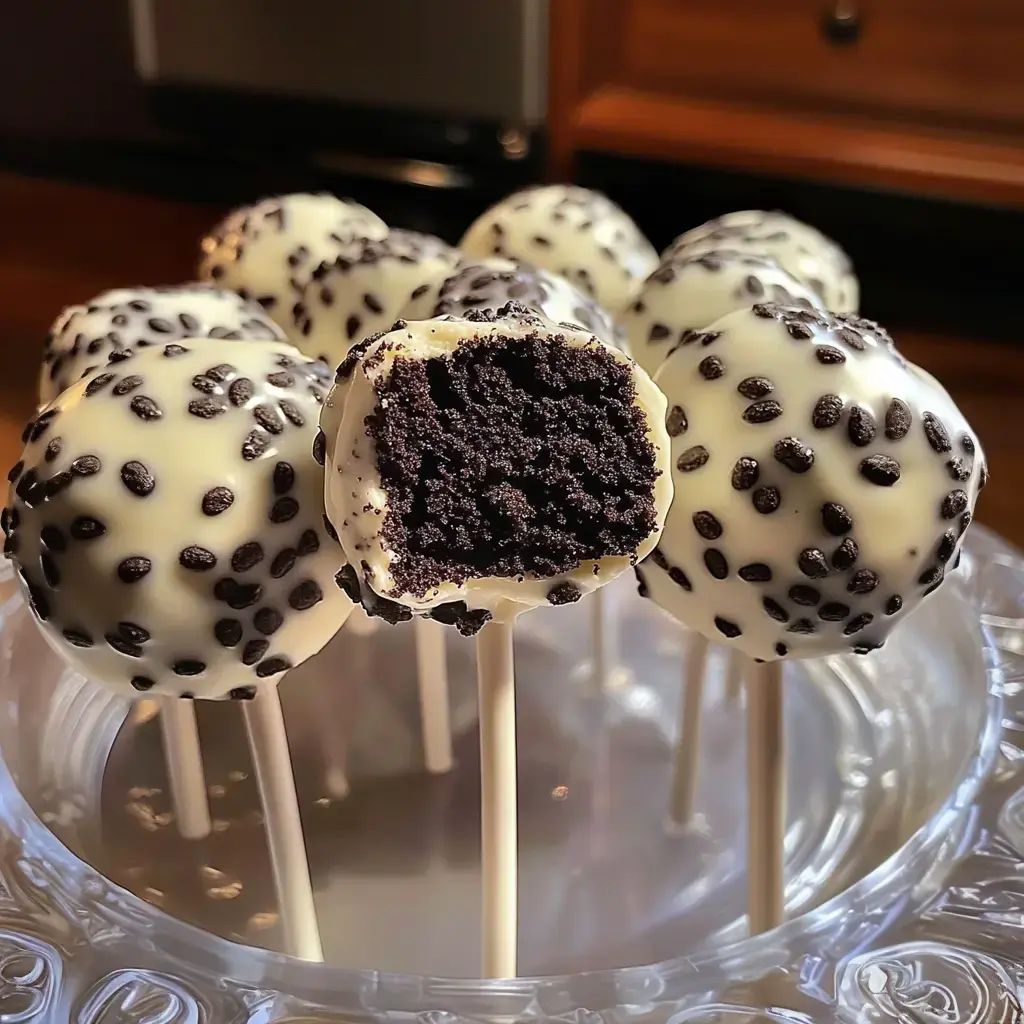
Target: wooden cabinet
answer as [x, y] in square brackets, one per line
[925, 95]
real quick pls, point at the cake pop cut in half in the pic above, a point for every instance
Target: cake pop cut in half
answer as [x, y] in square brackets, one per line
[478, 467]
[823, 485]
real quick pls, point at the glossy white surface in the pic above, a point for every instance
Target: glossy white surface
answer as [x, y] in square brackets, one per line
[832, 574]
[571, 231]
[168, 518]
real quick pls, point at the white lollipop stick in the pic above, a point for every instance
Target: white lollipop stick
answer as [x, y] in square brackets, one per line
[432, 678]
[766, 796]
[268, 743]
[498, 824]
[686, 762]
[184, 758]
[735, 663]
[602, 640]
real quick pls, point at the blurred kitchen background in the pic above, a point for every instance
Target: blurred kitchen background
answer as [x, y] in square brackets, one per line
[896, 126]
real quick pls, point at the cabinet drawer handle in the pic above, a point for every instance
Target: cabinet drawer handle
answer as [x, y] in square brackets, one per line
[842, 25]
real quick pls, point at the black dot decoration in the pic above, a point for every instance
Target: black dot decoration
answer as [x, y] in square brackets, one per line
[745, 474]
[881, 470]
[835, 519]
[692, 459]
[727, 628]
[707, 525]
[138, 478]
[217, 500]
[792, 453]
[133, 568]
[716, 563]
[196, 558]
[845, 556]
[766, 500]
[755, 572]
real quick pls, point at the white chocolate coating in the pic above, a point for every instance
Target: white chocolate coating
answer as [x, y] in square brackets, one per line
[811, 257]
[167, 521]
[357, 502]
[84, 338]
[492, 283]
[575, 232]
[267, 251]
[367, 288]
[686, 293]
[819, 554]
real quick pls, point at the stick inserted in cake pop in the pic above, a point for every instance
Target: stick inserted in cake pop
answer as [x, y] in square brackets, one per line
[167, 524]
[686, 762]
[432, 684]
[185, 774]
[479, 467]
[822, 487]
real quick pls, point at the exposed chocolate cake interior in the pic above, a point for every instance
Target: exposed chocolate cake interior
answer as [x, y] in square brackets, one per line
[511, 456]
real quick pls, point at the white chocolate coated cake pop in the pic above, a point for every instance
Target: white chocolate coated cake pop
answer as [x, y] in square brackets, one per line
[483, 466]
[493, 283]
[822, 487]
[267, 251]
[84, 338]
[811, 257]
[363, 291]
[686, 293]
[166, 520]
[575, 232]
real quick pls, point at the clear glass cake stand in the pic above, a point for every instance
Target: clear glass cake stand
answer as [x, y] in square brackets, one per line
[904, 849]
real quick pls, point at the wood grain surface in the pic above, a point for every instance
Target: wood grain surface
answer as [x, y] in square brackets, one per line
[62, 243]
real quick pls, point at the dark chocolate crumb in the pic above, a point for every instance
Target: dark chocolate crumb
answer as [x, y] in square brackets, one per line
[77, 637]
[284, 478]
[844, 556]
[833, 611]
[863, 581]
[138, 479]
[766, 500]
[564, 593]
[196, 559]
[953, 504]
[85, 465]
[861, 427]
[254, 651]
[693, 458]
[727, 628]
[188, 667]
[305, 595]
[745, 473]
[87, 528]
[707, 525]
[247, 556]
[857, 624]
[217, 500]
[716, 563]
[131, 569]
[827, 412]
[938, 436]
[836, 519]
[792, 453]
[711, 368]
[145, 408]
[283, 563]
[805, 595]
[755, 388]
[881, 470]
[897, 420]
[267, 621]
[240, 391]
[676, 422]
[762, 412]
[273, 666]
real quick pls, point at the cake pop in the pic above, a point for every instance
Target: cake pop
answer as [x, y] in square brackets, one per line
[364, 289]
[822, 487]
[811, 257]
[575, 232]
[84, 338]
[267, 251]
[691, 290]
[166, 522]
[478, 467]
